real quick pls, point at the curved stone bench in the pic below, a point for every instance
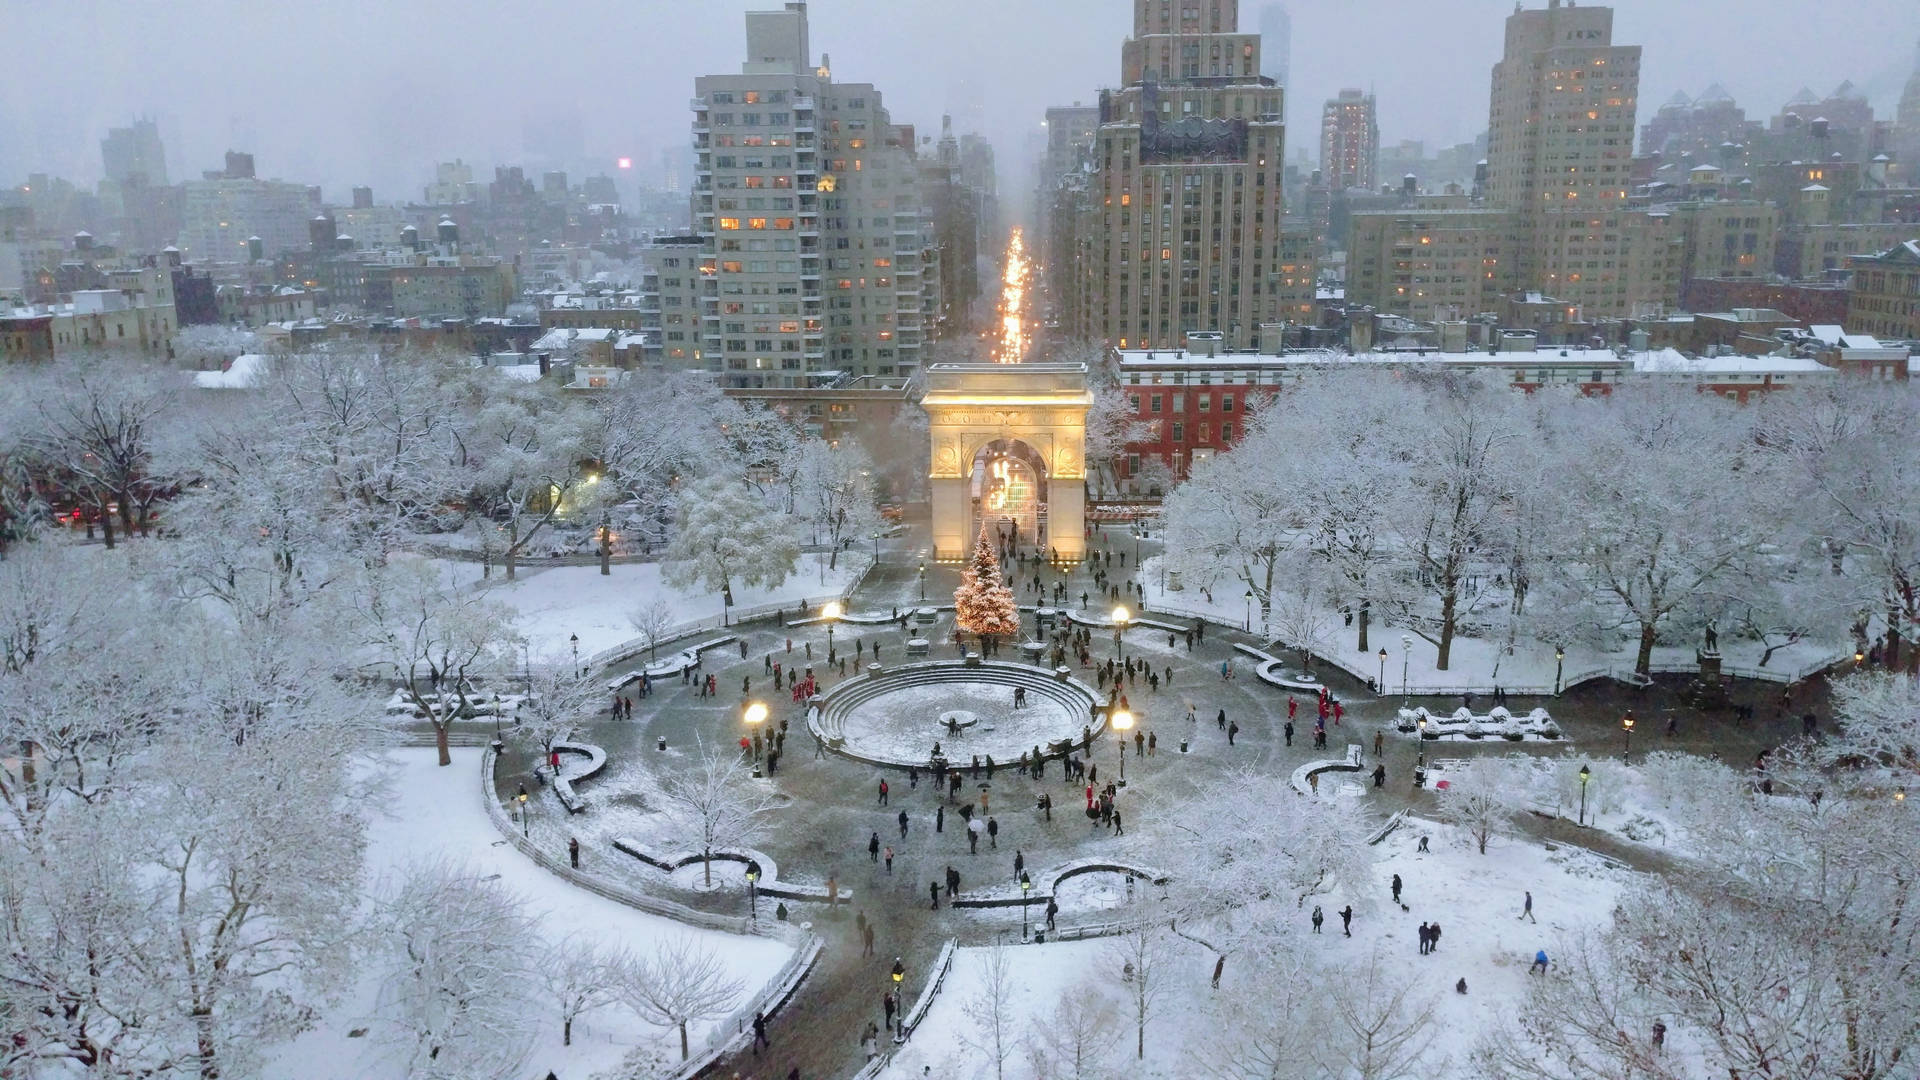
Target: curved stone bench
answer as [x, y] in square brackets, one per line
[769, 883]
[1101, 622]
[1075, 696]
[1268, 669]
[564, 780]
[1047, 883]
[672, 665]
[1353, 762]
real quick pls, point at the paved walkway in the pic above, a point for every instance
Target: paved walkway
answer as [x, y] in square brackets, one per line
[832, 810]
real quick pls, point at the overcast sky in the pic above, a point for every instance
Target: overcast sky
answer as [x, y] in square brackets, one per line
[374, 91]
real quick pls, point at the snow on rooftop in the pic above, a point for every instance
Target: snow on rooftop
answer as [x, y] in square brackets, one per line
[243, 374]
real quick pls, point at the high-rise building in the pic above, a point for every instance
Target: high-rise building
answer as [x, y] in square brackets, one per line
[1276, 42]
[819, 258]
[1560, 150]
[1349, 142]
[240, 218]
[1906, 123]
[1183, 230]
[135, 151]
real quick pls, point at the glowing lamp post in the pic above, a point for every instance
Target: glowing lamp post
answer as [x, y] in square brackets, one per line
[923, 581]
[1248, 627]
[831, 613]
[899, 972]
[575, 640]
[753, 892]
[1120, 617]
[1381, 685]
[1122, 722]
[523, 812]
[1406, 657]
[1586, 774]
[1559, 666]
[1626, 725]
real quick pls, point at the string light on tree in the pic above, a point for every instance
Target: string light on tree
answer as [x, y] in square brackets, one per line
[1013, 291]
[983, 604]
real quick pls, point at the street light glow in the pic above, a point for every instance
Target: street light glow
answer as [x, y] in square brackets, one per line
[756, 712]
[832, 610]
[1122, 720]
[1120, 615]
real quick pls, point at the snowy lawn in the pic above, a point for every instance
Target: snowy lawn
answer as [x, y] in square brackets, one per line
[556, 603]
[903, 724]
[437, 813]
[1477, 899]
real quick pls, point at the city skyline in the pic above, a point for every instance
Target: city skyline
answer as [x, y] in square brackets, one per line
[206, 99]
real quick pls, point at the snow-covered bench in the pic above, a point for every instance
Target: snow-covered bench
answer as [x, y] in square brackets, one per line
[1302, 777]
[1271, 670]
[489, 704]
[1047, 882]
[769, 883]
[1463, 723]
[671, 666]
[564, 779]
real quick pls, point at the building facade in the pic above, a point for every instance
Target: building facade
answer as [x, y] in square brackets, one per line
[1883, 299]
[1349, 142]
[221, 215]
[1185, 197]
[817, 254]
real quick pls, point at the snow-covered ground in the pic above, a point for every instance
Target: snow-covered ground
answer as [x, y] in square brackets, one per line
[1475, 662]
[1477, 899]
[430, 813]
[558, 602]
[903, 724]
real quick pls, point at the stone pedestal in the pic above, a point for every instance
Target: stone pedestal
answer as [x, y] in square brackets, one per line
[1709, 691]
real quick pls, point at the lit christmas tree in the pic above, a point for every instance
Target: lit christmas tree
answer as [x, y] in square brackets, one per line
[983, 604]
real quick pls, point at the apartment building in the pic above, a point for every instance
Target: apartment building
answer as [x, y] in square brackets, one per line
[222, 214]
[1884, 297]
[1349, 142]
[818, 260]
[1440, 259]
[1185, 202]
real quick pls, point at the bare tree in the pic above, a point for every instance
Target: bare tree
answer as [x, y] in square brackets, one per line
[1382, 1030]
[1137, 961]
[679, 982]
[558, 701]
[991, 1010]
[455, 949]
[1479, 799]
[578, 980]
[715, 799]
[1075, 1040]
[1266, 1035]
[652, 619]
[96, 436]
[425, 630]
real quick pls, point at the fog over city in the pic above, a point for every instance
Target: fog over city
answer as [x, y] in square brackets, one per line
[364, 92]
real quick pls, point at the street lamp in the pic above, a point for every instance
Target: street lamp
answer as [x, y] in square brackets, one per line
[1626, 724]
[1381, 686]
[1249, 624]
[923, 581]
[1120, 615]
[831, 613]
[1122, 722]
[1586, 774]
[1559, 665]
[575, 640]
[753, 892]
[1406, 656]
[1026, 886]
[523, 812]
[899, 972]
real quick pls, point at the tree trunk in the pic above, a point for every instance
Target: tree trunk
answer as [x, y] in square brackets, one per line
[606, 553]
[440, 741]
[1449, 602]
[706, 863]
[1140, 1036]
[1643, 661]
[566, 1032]
[106, 527]
[1365, 613]
[683, 1040]
[512, 554]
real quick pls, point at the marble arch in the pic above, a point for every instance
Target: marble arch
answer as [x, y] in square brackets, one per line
[972, 407]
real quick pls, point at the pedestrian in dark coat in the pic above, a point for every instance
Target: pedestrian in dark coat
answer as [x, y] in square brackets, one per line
[1396, 888]
[1425, 938]
[573, 851]
[1233, 729]
[940, 818]
[1221, 719]
[1316, 918]
[903, 824]
[1346, 919]
[883, 793]
[1052, 910]
[1433, 937]
[1289, 732]
[993, 832]
[873, 848]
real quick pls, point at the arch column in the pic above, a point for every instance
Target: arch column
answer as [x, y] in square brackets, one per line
[1042, 405]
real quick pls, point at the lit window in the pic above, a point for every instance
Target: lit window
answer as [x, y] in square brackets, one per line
[729, 223]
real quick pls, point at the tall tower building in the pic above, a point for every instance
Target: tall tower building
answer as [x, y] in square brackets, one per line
[135, 151]
[1349, 142]
[1906, 124]
[817, 256]
[1560, 149]
[1183, 229]
[1276, 42]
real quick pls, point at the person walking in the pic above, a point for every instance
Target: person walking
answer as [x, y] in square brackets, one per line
[1346, 919]
[1527, 912]
[1139, 743]
[1233, 729]
[760, 1032]
[1379, 743]
[993, 832]
[883, 793]
[1220, 719]
[1052, 910]
[1396, 888]
[940, 818]
[1426, 938]
[889, 858]
[873, 848]
[573, 851]
[1289, 732]
[1117, 830]
[1293, 706]
[866, 939]
[1316, 918]
[933, 894]
[974, 828]
[1433, 936]
[1153, 743]
[903, 824]
[1659, 1034]
[888, 1003]
[1019, 864]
